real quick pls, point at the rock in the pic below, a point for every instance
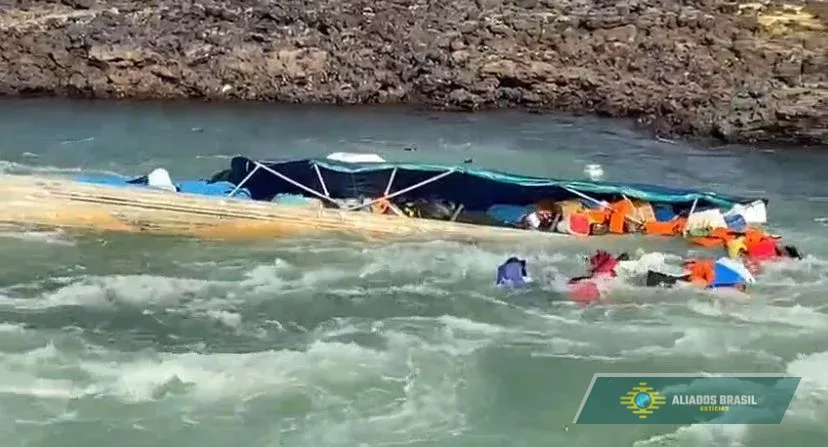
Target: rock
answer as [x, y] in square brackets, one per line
[624, 33]
[700, 68]
[79, 4]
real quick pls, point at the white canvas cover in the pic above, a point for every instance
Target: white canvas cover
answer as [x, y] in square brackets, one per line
[353, 157]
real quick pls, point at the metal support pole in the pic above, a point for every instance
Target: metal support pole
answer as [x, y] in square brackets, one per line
[241, 183]
[296, 184]
[390, 182]
[321, 180]
[404, 190]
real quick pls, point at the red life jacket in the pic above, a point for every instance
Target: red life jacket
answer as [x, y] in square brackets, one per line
[602, 263]
[763, 249]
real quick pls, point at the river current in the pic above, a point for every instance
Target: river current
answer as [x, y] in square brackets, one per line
[142, 341]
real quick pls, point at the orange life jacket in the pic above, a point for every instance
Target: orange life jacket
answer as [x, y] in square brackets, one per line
[618, 217]
[381, 206]
[702, 271]
[597, 216]
[670, 228]
[716, 238]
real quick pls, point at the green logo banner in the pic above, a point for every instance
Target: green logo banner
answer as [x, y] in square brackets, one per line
[652, 398]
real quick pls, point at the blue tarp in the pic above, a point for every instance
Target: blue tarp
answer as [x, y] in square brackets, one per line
[508, 214]
[727, 273]
[211, 189]
[200, 187]
[475, 188]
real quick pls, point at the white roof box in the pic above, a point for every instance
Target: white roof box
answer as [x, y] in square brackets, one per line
[350, 157]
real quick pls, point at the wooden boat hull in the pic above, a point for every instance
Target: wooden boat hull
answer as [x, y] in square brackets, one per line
[62, 203]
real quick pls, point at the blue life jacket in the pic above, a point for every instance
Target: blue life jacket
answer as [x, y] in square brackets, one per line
[512, 273]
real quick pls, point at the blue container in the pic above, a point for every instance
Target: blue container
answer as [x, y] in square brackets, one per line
[663, 213]
[736, 222]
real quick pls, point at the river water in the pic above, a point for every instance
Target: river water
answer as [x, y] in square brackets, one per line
[144, 341]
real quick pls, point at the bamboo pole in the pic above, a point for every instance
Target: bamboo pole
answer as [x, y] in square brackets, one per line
[60, 203]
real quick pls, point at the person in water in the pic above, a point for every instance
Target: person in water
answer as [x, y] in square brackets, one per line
[601, 264]
[754, 248]
[760, 247]
[512, 273]
[705, 273]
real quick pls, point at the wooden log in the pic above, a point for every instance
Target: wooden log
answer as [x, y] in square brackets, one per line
[63, 203]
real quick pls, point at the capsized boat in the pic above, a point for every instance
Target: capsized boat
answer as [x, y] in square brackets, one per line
[358, 194]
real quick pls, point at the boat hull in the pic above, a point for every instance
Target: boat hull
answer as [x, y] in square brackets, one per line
[62, 203]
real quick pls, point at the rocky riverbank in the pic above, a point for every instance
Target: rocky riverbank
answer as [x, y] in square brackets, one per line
[739, 72]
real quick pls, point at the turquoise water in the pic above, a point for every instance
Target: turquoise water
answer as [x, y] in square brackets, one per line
[157, 341]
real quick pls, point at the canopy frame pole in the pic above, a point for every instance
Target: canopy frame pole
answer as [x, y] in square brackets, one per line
[244, 180]
[693, 207]
[599, 203]
[457, 212]
[296, 184]
[624, 196]
[404, 190]
[325, 186]
[391, 206]
[390, 182]
[692, 210]
[321, 180]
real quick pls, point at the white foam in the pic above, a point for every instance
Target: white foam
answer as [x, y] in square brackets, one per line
[209, 377]
[699, 435]
[353, 393]
[21, 375]
[48, 237]
[712, 343]
[12, 328]
[795, 316]
[229, 319]
[261, 282]
[409, 381]
[11, 167]
[814, 384]
[128, 289]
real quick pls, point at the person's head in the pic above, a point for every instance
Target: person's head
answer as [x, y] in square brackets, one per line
[601, 261]
[599, 258]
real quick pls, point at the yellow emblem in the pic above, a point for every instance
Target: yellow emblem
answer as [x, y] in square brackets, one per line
[642, 400]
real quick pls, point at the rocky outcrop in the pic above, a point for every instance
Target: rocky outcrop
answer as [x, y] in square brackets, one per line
[740, 72]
